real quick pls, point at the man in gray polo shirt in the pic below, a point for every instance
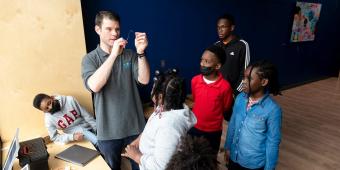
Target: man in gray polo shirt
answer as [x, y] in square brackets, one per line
[112, 73]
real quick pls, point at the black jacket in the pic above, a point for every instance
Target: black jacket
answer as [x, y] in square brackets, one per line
[237, 60]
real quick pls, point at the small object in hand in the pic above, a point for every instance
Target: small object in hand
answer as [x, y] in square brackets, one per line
[128, 36]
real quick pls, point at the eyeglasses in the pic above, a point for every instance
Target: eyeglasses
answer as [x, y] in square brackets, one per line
[223, 27]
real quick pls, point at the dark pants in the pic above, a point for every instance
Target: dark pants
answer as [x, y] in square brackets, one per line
[111, 150]
[235, 166]
[214, 138]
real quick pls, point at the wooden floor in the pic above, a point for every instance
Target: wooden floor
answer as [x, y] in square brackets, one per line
[310, 127]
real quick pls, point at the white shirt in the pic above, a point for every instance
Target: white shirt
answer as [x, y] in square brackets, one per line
[161, 136]
[208, 81]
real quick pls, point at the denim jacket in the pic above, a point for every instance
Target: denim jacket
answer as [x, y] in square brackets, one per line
[254, 136]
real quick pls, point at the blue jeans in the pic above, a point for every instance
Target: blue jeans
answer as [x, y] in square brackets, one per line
[90, 136]
[111, 150]
[235, 166]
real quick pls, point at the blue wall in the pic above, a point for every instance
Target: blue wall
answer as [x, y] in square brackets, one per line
[178, 31]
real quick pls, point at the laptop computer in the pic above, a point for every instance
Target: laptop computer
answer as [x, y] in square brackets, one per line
[78, 155]
[0, 153]
[12, 152]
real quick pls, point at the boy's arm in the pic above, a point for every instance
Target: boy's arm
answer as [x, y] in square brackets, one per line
[86, 115]
[228, 102]
[244, 60]
[273, 139]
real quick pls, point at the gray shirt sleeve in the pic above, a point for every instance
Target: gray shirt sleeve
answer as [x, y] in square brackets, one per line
[88, 67]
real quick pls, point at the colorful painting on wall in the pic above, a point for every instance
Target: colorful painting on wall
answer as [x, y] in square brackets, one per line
[306, 16]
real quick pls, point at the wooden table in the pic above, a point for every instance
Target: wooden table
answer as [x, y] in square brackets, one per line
[57, 164]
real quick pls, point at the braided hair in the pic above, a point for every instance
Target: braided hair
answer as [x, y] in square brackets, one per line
[171, 87]
[267, 70]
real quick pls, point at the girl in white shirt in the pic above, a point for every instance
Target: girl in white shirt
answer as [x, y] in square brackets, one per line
[171, 119]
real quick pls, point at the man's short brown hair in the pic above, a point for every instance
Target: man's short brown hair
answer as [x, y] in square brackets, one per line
[106, 14]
